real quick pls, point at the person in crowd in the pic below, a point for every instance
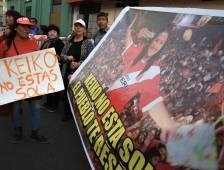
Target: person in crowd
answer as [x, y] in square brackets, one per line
[154, 157]
[73, 54]
[90, 36]
[53, 41]
[18, 42]
[43, 30]
[146, 69]
[163, 164]
[10, 20]
[131, 113]
[35, 33]
[141, 72]
[42, 35]
[102, 23]
[35, 29]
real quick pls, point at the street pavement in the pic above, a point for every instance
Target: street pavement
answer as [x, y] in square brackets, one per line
[64, 152]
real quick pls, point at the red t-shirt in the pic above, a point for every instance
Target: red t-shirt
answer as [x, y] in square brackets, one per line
[164, 166]
[23, 46]
[149, 90]
[147, 85]
[2, 38]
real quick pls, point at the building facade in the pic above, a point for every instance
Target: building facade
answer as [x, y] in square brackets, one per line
[88, 9]
[57, 12]
[2, 13]
[63, 12]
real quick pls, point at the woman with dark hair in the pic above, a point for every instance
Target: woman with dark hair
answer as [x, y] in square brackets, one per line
[143, 76]
[11, 17]
[43, 30]
[10, 20]
[136, 41]
[134, 74]
[149, 54]
[163, 163]
[18, 42]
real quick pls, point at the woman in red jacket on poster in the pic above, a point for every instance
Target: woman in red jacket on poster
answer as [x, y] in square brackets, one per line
[10, 20]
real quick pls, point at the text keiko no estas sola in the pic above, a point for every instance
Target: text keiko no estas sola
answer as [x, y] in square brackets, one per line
[29, 72]
[104, 129]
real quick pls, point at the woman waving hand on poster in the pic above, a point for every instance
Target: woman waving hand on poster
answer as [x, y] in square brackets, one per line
[143, 77]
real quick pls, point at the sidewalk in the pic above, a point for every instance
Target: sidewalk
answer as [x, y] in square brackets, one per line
[65, 151]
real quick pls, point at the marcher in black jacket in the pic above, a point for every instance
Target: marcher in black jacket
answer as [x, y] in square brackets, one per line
[76, 50]
[53, 41]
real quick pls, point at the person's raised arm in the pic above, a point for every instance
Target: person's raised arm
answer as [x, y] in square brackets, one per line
[161, 116]
[128, 38]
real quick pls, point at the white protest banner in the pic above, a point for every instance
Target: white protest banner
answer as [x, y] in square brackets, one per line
[29, 75]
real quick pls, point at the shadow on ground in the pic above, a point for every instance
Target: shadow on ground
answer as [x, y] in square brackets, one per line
[65, 151]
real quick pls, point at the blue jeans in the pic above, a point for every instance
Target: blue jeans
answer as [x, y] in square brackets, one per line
[34, 106]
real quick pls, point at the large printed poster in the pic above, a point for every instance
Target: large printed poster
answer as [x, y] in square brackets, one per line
[150, 95]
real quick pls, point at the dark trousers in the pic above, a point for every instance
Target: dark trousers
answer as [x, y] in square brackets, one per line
[67, 111]
[53, 100]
